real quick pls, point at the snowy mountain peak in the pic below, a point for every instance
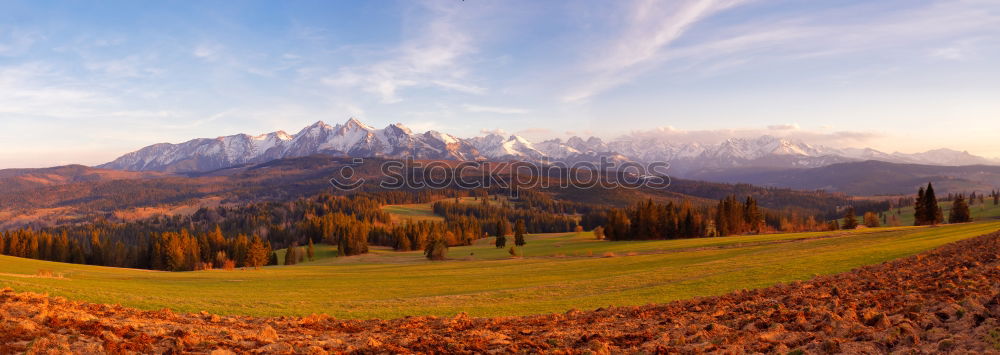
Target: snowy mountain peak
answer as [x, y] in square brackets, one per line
[399, 127]
[354, 123]
[357, 139]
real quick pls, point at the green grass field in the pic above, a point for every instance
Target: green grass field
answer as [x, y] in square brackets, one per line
[425, 211]
[412, 213]
[558, 272]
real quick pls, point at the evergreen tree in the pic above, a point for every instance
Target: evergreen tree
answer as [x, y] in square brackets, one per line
[919, 210]
[290, 254]
[501, 238]
[273, 260]
[96, 249]
[959, 211]
[996, 198]
[934, 212]
[850, 220]
[310, 252]
[519, 233]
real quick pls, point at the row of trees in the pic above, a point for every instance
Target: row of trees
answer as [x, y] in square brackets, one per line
[869, 219]
[928, 212]
[172, 251]
[488, 214]
[731, 216]
[211, 236]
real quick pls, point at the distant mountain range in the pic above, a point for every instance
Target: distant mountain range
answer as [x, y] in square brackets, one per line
[867, 178]
[356, 139]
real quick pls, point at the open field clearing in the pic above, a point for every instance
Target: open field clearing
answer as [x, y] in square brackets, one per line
[412, 212]
[425, 211]
[943, 301]
[387, 284]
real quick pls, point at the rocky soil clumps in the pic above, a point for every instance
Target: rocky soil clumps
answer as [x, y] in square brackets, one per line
[943, 301]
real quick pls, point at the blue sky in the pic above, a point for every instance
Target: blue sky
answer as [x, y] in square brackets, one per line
[84, 82]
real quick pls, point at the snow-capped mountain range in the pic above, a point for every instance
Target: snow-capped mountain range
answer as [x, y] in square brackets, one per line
[356, 139]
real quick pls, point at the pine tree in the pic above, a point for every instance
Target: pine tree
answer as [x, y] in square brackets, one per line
[850, 220]
[959, 211]
[96, 249]
[934, 213]
[519, 231]
[919, 210]
[501, 238]
[290, 254]
[273, 260]
[310, 252]
[996, 198]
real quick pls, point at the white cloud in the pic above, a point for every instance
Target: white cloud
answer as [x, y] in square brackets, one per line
[207, 51]
[468, 89]
[837, 139]
[133, 66]
[651, 26]
[493, 131]
[649, 40]
[495, 109]
[784, 127]
[15, 42]
[430, 56]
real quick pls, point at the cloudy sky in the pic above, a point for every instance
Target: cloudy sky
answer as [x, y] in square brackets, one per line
[84, 82]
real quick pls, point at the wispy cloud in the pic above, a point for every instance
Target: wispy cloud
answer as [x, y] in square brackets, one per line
[826, 137]
[650, 27]
[430, 55]
[783, 127]
[207, 51]
[15, 42]
[650, 38]
[495, 109]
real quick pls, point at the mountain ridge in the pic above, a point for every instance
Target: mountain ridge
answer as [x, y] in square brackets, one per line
[354, 138]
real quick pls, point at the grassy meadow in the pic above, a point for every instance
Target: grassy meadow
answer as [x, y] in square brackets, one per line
[415, 212]
[557, 272]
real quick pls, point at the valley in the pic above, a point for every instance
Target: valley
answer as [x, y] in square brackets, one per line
[483, 177]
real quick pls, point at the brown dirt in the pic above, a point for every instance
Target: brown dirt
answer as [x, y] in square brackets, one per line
[943, 301]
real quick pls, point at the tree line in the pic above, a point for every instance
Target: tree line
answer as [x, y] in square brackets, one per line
[730, 216]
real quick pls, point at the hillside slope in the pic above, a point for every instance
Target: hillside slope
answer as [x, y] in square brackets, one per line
[945, 300]
[867, 178]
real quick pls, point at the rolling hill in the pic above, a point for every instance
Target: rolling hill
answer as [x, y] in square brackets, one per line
[868, 178]
[84, 193]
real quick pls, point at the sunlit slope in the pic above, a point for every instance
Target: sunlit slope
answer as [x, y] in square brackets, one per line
[559, 272]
